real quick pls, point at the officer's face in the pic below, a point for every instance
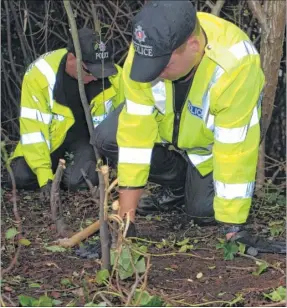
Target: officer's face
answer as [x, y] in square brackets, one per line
[182, 60]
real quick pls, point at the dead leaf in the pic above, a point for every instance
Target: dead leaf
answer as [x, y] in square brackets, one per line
[52, 264]
[55, 294]
[8, 289]
[78, 292]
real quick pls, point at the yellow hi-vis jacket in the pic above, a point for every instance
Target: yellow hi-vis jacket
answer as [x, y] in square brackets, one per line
[45, 122]
[218, 126]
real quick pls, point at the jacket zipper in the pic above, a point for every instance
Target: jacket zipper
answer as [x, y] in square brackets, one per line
[177, 115]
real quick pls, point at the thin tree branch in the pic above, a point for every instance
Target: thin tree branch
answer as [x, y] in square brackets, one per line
[257, 10]
[104, 231]
[217, 7]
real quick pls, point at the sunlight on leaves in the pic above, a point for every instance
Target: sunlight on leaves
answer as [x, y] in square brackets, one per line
[261, 267]
[183, 242]
[277, 295]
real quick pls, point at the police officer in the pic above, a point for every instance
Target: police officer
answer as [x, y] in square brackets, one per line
[193, 81]
[52, 119]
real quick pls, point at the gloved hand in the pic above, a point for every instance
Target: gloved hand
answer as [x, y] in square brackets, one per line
[93, 250]
[45, 191]
[255, 244]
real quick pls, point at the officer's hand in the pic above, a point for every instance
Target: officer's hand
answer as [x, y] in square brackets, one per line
[255, 244]
[45, 192]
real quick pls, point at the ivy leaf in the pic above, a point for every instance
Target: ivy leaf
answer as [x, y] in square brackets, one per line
[10, 233]
[140, 266]
[143, 299]
[262, 266]
[277, 295]
[229, 248]
[24, 242]
[102, 276]
[26, 301]
[45, 301]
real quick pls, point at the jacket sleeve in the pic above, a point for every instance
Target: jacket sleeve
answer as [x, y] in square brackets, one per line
[237, 135]
[137, 131]
[35, 119]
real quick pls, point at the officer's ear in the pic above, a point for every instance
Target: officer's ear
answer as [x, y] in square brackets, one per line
[193, 44]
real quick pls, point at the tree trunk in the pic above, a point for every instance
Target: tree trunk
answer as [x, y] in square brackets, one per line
[272, 20]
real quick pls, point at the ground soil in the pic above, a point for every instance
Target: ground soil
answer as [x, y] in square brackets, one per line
[40, 271]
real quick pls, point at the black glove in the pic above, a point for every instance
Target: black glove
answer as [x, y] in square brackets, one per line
[45, 191]
[93, 250]
[255, 244]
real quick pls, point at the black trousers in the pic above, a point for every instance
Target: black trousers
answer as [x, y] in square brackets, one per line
[78, 155]
[168, 168]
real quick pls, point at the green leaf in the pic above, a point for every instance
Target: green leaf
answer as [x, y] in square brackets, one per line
[45, 301]
[148, 217]
[242, 248]
[229, 248]
[26, 301]
[125, 267]
[276, 227]
[183, 242]
[277, 295]
[102, 276]
[34, 285]
[143, 299]
[56, 302]
[140, 266]
[183, 248]
[10, 233]
[262, 266]
[65, 282]
[24, 242]
[55, 248]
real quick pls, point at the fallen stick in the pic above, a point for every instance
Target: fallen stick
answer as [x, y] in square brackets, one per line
[80, 236]
[88, 231]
